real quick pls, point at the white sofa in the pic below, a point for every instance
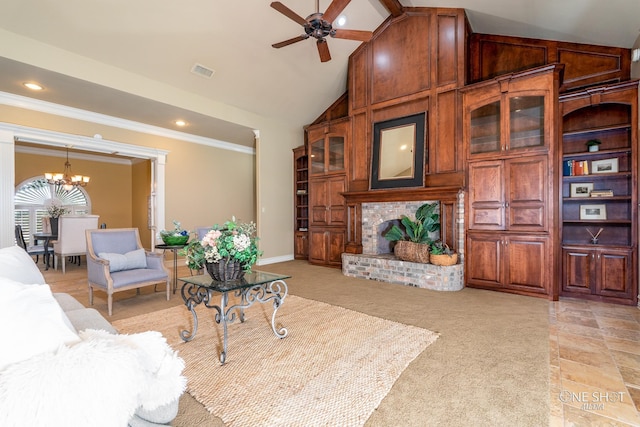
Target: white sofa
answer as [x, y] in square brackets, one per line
[64, 364]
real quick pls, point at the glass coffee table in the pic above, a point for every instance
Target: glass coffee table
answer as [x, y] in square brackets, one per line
[257, 286]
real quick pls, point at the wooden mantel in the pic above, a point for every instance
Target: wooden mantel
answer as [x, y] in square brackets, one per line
[447, 196]
[402, 194]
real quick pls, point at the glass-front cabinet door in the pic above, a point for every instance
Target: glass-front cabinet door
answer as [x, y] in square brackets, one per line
[526, 122]
[335, 161]
[317, 156]
[327, 149]
[485, 129]
[508, 118]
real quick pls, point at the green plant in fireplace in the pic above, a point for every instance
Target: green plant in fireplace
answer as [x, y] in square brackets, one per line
[426, 222]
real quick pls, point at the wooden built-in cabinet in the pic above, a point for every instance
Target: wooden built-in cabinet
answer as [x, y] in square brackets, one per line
[513, 262]
[327, 148]
[509, 129]
[301, 195]
[512, 195]
[605, 272]
[605, 269]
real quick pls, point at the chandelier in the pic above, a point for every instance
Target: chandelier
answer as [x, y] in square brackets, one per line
[66, 179]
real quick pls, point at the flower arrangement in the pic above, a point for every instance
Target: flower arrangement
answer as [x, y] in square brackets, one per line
[55, 209]
[177, 236]
[233, 241]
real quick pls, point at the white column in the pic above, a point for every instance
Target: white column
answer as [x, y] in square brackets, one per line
[157, 194]
[7, 188]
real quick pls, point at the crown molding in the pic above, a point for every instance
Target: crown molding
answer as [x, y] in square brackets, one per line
[65, 140]
[38, 151]
[19, 101]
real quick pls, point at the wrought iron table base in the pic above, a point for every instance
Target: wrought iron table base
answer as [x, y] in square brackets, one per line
[193, 295]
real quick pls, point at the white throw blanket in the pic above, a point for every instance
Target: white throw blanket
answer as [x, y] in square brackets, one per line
[100, 381]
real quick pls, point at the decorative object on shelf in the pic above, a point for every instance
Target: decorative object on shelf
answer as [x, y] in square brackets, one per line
[66, 179]
[601, 193]
[442, 254]
[581, 189]
[175, 237]
[591, 212]
[227, 245]
[605, 166]
[594, 237]
[412, 244]
[593, 144]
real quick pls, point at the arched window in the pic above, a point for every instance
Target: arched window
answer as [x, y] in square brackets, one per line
[34, 194]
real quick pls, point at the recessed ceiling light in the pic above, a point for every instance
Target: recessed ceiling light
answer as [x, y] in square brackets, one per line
[33, 86]
[180, 123]
[341, 21]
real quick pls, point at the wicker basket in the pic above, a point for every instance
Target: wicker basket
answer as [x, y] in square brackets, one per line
[411, 251]
[444, 259]
[225, 270]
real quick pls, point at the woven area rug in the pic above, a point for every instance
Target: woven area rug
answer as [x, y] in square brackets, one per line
[333, 369]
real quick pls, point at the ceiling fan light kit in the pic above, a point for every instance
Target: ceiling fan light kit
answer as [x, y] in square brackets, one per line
[319, 25]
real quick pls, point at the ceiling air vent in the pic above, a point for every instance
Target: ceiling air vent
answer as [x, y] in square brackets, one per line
[203, 71]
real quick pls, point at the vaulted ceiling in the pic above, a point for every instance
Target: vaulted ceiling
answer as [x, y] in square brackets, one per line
[133, 59]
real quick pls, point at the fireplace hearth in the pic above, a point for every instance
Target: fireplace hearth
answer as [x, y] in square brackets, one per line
[377, 261]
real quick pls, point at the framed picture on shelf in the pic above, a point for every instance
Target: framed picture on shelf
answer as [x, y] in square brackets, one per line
[604, 166]
[581, 189]
[593, 212]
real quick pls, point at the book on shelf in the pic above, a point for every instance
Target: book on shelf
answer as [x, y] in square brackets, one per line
[601, 193]
[301, 192]
[575, 168]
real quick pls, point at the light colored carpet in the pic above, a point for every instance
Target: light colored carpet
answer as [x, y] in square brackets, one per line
[334, 367]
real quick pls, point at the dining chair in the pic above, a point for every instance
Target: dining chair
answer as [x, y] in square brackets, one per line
[72, 241]
[36, 250]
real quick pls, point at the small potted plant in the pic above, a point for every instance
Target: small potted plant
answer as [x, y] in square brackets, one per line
[593, 144]
[412, 243]
[175, 237]
[442, 254]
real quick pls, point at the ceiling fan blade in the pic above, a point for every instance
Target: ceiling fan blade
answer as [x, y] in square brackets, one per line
[323, 50]
[288, 12]
[334, 10]
[290, 41]
[363, 36]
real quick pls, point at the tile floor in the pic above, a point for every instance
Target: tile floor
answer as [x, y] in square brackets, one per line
[594, 364]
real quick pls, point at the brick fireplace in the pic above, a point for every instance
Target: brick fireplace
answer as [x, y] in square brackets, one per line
[377, 262]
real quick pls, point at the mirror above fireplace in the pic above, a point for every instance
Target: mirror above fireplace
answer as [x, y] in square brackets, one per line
[398, 152]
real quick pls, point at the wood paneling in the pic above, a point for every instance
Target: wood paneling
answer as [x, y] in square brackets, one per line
[358, 79]
[360, 152]
[492, 58]
[443, 149]
[447, 49]
[401, 60]
[585, 64]
[587, 67]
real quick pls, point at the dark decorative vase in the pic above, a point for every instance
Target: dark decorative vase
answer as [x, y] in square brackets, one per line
[225, 270]
[54, 226]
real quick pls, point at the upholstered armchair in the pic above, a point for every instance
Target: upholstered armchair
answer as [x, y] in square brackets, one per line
[71, 240]
[116, 261]
[202, 231]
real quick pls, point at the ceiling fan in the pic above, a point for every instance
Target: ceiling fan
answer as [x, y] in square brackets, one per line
[318, 25]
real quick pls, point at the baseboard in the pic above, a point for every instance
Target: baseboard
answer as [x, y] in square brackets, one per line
[273, 260]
